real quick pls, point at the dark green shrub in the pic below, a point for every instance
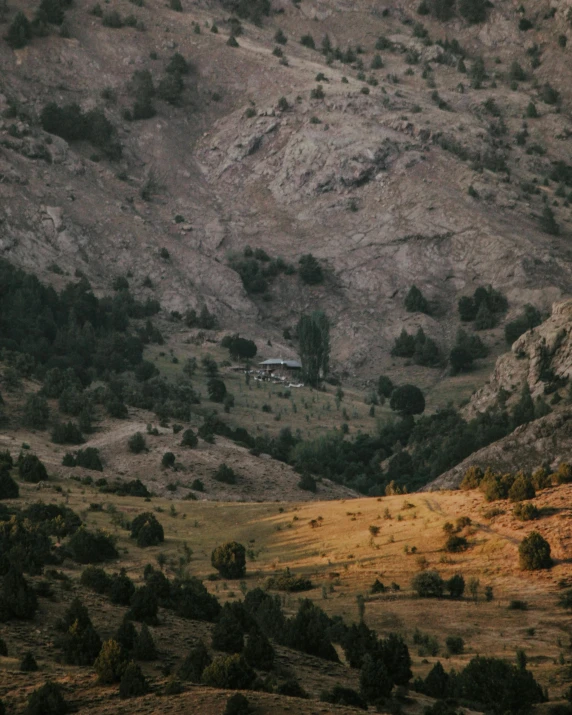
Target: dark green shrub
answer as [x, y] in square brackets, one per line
[133, 682]
[407, 400]
[144, 605]
[258, 651]
[498, 686]
[455, 544]
[189, 439]
[309, 269]
[95, 578]
[428, 584]
[176, 5]
[308, 483]
[216, 389]
[67, 433]
[17, 599]
[474, 11]
[227, 634]
[229, 560]
[19, 32]
[80, 643]
[231, 672]
[110, 663]
[177, 65]
[455, 644]
[375, 681]
[170, 88]
[415, 301]
[534, 553]
[521, 489]
[31, 469]
[137, 443]
[168, 460]
[308, 632]
[339, 695]
[147, 530]
[28, 663]
[121, 589]
[196, 661]
[88, 547]
[292, 689]
[237, 704]
[3, 648]
[126, 635]
[308, 41]
[456, 586]
[144, 647]
[225, 474]
[8, 487]
[47, 700]
[385, 386]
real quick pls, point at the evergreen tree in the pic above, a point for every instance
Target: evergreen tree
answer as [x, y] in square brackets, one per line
[258, 651]
[19, 32]
[415, 301]
[314, 339]
[110, 663]
[145, 645]
[47, 700]
[437, 682]
[133, 682]
[194, 664]
[227, 633]
[375, 682]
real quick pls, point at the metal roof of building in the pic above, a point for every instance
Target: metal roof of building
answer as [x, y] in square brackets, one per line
[279, 362]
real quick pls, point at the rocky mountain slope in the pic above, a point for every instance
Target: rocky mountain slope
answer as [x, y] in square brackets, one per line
[372, 178]
[539, 363]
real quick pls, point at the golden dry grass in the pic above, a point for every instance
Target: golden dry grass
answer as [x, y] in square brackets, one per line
[342, 558]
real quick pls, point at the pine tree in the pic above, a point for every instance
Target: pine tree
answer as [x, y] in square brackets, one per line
[145, 645]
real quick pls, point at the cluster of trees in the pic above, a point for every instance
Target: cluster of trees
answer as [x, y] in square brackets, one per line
[169, 89]
[473, 11]
[22, 30]
[483, 307]
[256, 269]
[239, 348]
[422, 349]
[528, 319]
[68, 338]
[515, 486]
[72, 124]
[490, 684]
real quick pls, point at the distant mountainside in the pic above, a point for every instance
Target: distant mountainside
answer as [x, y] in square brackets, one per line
[414, 164]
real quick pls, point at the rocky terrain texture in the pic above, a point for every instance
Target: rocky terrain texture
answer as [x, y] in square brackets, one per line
[358, 177]
[540, 361]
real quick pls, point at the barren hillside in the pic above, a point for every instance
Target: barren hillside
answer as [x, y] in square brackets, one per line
[373, 178]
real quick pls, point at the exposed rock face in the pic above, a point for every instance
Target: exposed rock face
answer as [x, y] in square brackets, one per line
[537, 357]
[541, 359]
